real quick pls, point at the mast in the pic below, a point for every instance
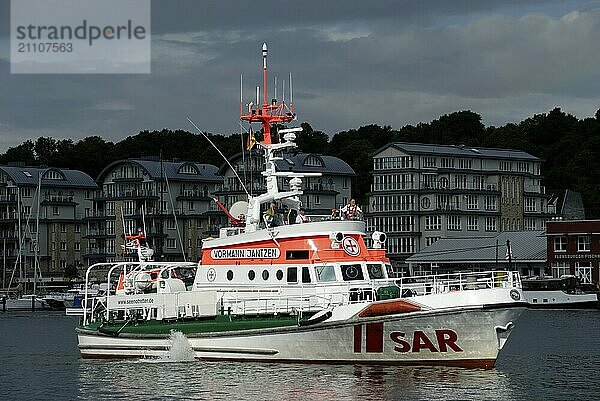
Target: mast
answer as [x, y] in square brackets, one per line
[19, 258]
[267, 114]
[37, 235]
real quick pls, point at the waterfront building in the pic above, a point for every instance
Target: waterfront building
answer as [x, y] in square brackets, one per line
[523, 251]
[171, 199]
[321, 194]
[422, 192]
[574, 248]
[61, 196]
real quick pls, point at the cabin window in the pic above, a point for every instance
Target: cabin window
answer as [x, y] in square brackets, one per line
[279, 275]
[292, 274]
[325, 273]
[390, 270]
[229, 275]
[352, 272]
[305, 274]
[251, 275]
[375, 271]
[265, 275]
[296, 254]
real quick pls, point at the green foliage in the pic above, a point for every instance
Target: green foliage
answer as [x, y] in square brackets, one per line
[569, 147]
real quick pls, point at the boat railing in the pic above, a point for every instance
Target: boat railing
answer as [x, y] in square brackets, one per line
[91, 302]
[462, 281]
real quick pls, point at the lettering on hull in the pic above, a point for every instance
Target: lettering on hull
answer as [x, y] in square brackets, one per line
[245, 253]
[443, 340]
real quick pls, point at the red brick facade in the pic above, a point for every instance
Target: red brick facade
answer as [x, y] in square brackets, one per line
[574, 248]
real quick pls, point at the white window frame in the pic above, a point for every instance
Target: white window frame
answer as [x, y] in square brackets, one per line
[560, 243]
[454, 222]
[472, 223]
[583, 243]
[560, 269]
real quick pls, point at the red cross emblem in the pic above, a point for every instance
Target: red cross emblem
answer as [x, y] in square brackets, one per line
[351, 246]
[211, 274]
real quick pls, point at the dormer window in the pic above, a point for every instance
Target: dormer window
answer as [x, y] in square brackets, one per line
[314, 161]
[188, 168]
[53, 175]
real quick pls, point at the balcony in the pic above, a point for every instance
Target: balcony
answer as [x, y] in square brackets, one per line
[11, 198]
[99, 251]
[101, 232]
[144, 194]
[437, 186]
[58, 199]
[188, 194]
[9, 235]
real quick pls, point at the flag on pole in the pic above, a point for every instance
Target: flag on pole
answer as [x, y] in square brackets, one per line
[251, 140]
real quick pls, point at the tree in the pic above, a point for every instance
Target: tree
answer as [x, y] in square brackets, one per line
[311, 141]
[22, 153]
[45, 150]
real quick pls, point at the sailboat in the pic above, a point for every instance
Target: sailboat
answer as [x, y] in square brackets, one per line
[17, 300]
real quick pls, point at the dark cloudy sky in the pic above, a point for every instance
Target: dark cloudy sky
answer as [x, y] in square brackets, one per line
[353, 62]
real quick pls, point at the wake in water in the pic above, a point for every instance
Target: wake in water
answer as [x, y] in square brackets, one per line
[180, 349]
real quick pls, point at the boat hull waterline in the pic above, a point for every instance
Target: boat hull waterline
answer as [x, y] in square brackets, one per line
[466, 337]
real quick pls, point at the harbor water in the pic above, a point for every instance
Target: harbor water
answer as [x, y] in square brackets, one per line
[551, 355]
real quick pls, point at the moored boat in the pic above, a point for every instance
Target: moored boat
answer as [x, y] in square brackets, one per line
[562, 292]
[308, 292]
[26, 302]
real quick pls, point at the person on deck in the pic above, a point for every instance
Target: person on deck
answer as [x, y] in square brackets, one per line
[273, 218]
[351, 211]
[302, 217]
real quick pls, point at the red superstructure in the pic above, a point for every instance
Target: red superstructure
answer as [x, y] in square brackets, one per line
[267, 113]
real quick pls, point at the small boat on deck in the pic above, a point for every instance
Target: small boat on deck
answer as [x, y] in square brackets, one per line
[309, 292]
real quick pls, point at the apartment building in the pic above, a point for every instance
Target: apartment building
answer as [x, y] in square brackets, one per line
[59, 198]
[171, 199]
[422, 192]
[321, 194]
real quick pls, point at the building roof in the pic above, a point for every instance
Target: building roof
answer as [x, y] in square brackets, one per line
[306, 163]
[526, 246]
[459, 151]
[171, 170]
[65, 178]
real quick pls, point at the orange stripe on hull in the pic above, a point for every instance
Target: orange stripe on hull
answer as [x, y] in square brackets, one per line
[319, 251]
[388, 308]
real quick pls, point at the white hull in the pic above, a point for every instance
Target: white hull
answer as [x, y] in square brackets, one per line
[25, 304]
[415, 338]
[560, 299]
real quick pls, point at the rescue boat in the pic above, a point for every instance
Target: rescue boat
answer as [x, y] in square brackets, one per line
[310, 293]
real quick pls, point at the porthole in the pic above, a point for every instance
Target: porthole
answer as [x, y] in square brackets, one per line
[251, 275]
[279, 275]
[265, 275]
[229, 275]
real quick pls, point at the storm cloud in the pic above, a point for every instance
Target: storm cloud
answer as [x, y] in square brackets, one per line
[353, 63]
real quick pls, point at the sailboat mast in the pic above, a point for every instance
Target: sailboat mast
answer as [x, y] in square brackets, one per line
[19, 258]
[36, 263]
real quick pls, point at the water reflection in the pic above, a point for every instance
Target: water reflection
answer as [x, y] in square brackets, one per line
[137, 380]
